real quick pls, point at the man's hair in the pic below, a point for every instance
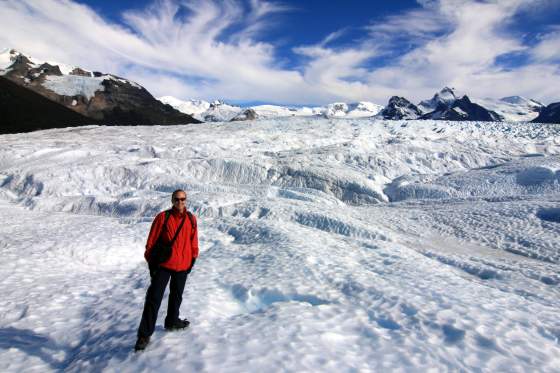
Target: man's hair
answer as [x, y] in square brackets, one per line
[177, 191]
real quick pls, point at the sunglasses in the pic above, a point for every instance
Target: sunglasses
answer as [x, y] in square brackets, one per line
[179, 199]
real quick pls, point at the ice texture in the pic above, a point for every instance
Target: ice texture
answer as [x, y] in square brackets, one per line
[351, 245]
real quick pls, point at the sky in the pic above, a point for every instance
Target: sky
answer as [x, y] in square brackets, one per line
[300, 52]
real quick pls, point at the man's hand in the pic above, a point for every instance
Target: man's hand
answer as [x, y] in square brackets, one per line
[153, 269]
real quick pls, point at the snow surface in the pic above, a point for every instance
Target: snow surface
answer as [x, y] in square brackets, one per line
[125, 81]
[74, 85]
[191, 107]
[512, 109]
[77, 85]
[64, 69]
[363, 109]
[5, 58]
[275, 111]
[326, 245]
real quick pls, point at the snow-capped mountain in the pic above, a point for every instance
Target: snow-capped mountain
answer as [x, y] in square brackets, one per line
[247, 114]
[113, 100]
[549, 114]
[22, 110]
[446, 96]
[462, 109]
[444, 105]
[275, 111]
[400, 108]
[336, 110]
[219, 111]
[191, 107]
[103, 97]
[362, 109]
[215, 111]
[513, 108]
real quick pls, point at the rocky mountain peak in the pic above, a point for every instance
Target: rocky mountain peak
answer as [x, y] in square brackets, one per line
[446, 97]
[400, 108]
[549, 114]
[462, 109]
[103, 97]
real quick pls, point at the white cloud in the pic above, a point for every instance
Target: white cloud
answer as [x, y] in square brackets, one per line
[457, 43]
[211, 49]
[158, 43]
[415, 25]
[548, 48]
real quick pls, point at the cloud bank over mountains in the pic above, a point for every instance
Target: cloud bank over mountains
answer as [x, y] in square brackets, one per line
[217, 49]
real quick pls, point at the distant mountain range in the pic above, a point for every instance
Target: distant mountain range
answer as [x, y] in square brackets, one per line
[77, 97]
[219, 111]
[101, 98]
[444, 105]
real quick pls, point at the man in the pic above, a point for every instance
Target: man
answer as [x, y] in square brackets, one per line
[184, 251]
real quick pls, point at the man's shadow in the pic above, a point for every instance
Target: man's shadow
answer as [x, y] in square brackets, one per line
[30, 343]
[95, 350]
[107, 335]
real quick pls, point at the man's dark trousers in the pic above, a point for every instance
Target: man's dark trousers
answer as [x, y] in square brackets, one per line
[154, 296]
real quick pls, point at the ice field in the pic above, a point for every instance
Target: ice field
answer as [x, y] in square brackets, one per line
[327, 245]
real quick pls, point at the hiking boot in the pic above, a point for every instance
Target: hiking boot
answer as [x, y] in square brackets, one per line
[141, 343]
[177, 325]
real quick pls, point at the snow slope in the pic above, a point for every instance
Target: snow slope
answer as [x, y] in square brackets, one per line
[446, 96]
[74, 85]
[326, 245]
[5, 58]
[514, 108]
[70, 83]
[361, 109]
[275, 111]
[191, 107]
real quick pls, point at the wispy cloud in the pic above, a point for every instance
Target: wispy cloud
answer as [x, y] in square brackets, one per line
[548, 48]
[215, 49]
[455, 43]
[416, 26]
[180, 40]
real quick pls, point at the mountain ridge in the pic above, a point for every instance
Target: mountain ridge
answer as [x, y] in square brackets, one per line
[110, 99]
[105, 98]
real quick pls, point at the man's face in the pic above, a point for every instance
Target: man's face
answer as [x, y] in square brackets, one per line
[179, 200]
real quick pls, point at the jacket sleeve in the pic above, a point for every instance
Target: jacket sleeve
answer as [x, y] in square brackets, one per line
[194, 240]
[155, 231]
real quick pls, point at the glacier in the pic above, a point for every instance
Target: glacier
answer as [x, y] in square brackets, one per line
[326, 245]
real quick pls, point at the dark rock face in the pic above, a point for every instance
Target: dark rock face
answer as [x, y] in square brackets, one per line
[117, 102]
[80, 72]
[23, 110]
[400, 108]
[462, 109]
[549, 114]
[248, 114]
[121, 103]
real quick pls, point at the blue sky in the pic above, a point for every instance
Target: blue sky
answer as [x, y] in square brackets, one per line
[296, 52]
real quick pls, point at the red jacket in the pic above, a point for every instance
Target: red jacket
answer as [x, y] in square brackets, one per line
[185, 247]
